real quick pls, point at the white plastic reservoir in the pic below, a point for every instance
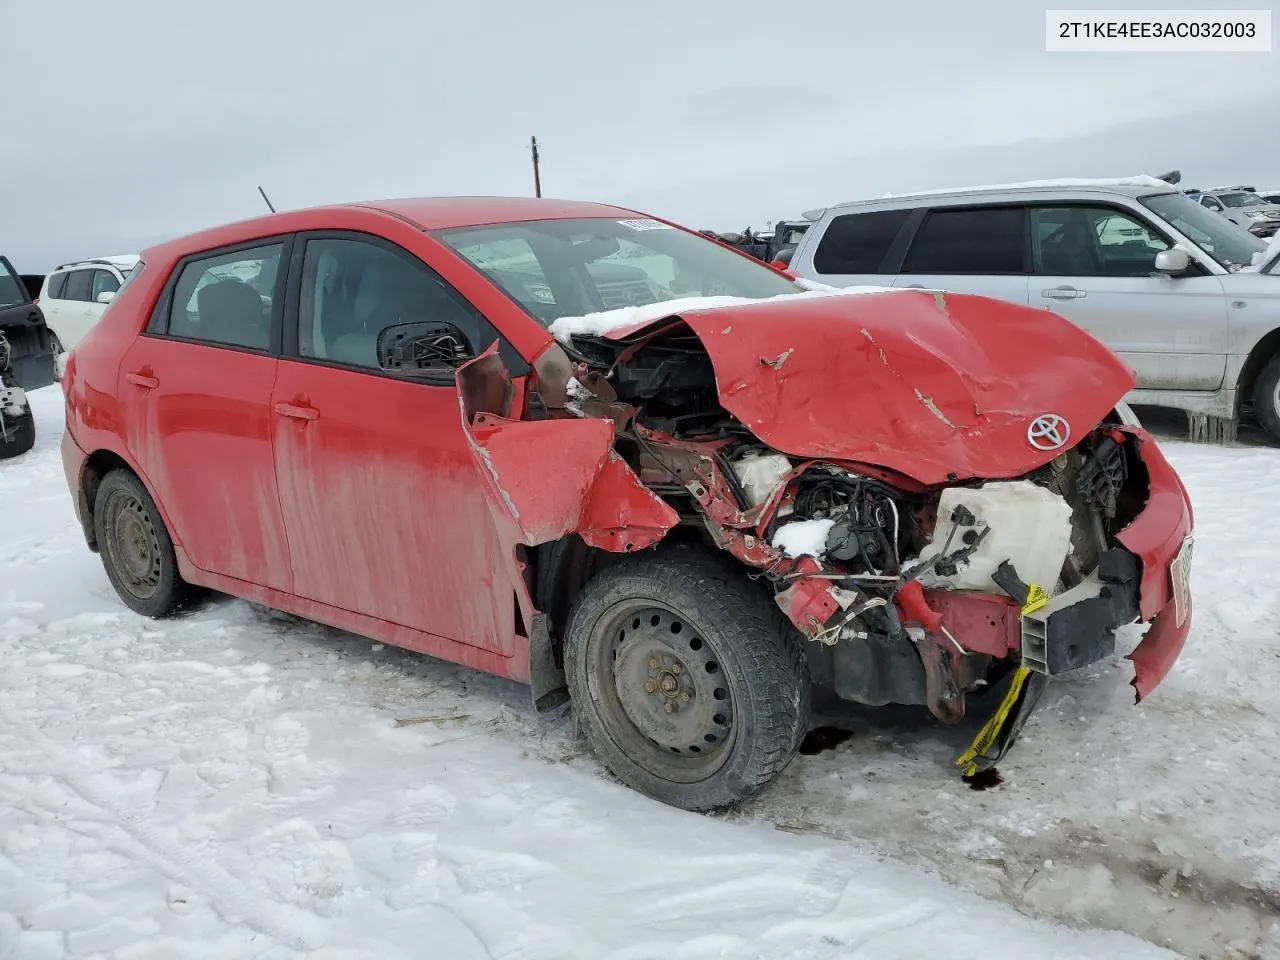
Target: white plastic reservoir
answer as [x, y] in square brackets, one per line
[760, 475]
[1030, 527]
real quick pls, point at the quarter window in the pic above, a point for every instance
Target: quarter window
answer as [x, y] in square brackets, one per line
[973, 241]
[858, 242]
[57, 284]
[226, 299]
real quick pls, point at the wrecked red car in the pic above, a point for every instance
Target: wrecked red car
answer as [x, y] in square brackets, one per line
[597, 453]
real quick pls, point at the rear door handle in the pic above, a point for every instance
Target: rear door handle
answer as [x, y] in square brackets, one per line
[1062, 293]
[297, 412]
[142, 380]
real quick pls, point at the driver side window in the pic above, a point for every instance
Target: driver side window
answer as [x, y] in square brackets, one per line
[353, 290]
[1082, 241]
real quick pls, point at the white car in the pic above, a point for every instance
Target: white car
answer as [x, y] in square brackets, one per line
[75, 295]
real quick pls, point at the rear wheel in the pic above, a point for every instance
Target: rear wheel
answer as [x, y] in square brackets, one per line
[689, 684]
[137, 551]
[17, 434]
[1266, 398]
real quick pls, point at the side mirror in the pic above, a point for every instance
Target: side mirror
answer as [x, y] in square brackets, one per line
[423, 349]
[106, 296]
[1172, 262]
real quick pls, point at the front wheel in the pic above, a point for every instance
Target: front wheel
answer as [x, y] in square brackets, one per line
[1266, 398]
[689, 684]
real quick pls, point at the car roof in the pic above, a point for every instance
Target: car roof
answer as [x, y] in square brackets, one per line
[1128, 186]
[426, 213]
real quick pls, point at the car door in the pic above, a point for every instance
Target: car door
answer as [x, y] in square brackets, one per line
[1095, 266]
[195, 387]
[981, 250]
[385, 512]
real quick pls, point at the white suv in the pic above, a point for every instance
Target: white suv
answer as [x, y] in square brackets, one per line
[75, 295]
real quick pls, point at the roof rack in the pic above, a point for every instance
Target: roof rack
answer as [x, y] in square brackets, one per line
[104, 261]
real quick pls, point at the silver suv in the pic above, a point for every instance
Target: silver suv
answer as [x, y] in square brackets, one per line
[1189, 300]
[1256, 213]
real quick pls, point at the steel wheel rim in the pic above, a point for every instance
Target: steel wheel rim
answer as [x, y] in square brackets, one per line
[663, 694]
[135, 546]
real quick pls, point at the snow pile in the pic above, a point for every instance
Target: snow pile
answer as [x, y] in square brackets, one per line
[607, 321]
[802, 538]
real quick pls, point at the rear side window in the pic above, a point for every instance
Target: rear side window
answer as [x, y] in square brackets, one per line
[226, 299]
[988, 241]
[858, 242]
[12, 291]
[57, 284]
[78, 282]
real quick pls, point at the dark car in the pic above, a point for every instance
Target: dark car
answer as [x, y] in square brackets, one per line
[26, 360]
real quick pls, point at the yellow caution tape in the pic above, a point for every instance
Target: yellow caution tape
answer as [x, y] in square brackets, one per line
[1036, 598]
[991, 729]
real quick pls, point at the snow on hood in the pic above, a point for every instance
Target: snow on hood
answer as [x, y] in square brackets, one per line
[939, 387]
[1266, 260]
[608, 322]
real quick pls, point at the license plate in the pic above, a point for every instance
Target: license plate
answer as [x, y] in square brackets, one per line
[1180, 575]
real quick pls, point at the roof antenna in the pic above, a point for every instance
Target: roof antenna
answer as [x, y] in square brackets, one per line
[268, 202]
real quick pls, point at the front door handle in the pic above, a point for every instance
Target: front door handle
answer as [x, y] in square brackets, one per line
[142, 380]
[297, 412]
[1062, 293]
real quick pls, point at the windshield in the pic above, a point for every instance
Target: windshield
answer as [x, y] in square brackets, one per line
[1229, 245]
[569, 268]
[1240, 199]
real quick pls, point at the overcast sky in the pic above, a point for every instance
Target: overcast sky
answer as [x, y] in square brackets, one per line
[133, 121]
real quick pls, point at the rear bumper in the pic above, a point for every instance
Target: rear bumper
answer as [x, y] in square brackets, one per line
[73, 459]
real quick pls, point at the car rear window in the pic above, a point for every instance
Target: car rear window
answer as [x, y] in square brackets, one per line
[858, 242]
[986, 241]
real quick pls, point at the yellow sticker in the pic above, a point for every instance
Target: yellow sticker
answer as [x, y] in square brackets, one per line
[1036, 598]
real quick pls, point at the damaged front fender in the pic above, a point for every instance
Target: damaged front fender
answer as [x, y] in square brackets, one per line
[545, 479]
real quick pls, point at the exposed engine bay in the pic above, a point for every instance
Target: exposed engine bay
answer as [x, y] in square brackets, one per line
[893, 495]
[909, 594]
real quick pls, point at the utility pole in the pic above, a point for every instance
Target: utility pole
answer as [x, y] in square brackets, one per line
[537, 177]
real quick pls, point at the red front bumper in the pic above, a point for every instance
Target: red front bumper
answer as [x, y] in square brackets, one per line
[1155, 536]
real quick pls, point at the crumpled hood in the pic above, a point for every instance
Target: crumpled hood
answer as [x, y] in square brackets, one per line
[939, 387]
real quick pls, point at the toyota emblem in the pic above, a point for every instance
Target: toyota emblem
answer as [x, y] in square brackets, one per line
[1048, 432]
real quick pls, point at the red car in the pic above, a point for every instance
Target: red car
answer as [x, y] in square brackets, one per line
[586, 449]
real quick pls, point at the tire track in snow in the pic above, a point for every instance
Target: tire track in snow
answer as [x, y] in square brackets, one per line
[287, 924]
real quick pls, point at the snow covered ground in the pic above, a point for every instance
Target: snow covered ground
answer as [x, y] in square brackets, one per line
[232, 784]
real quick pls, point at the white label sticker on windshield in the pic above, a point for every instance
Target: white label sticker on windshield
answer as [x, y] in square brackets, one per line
[645, 224]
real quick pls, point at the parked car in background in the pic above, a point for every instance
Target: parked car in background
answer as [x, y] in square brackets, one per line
[419, 421]
[26, 361]
[1185, 297]
[1243, 207]
[76, 294]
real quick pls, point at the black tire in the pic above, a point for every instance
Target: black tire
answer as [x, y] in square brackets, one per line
[19, 434]
[744, 680]
[136, 549]
[1266, 398]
